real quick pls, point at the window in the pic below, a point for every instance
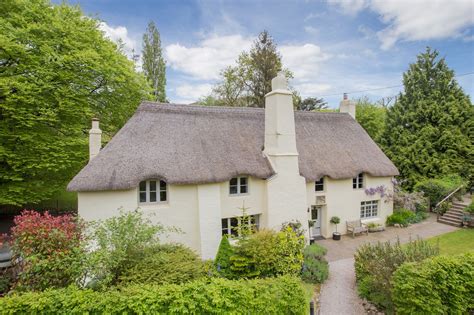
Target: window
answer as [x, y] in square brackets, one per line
[319, 185]
[358, 182]
[369, 209]
[238, 185]
[153, 191]
[230, 225]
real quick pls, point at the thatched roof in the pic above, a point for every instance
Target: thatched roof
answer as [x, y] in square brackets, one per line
[185, 144]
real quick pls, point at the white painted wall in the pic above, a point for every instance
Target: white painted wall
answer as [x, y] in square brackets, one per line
[209, 219]
[344, 201]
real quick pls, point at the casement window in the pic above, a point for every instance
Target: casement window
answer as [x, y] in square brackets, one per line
[369, 209]
[230, 225]
[319, 185]
[238, 186]
[358, 182]
[153, 191]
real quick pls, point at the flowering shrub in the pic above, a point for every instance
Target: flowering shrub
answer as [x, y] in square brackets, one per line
[382, 190]
[48, 250]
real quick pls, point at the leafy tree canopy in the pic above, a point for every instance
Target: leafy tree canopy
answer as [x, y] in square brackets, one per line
[371, 117]
[57, 71]
[312, 104]
[430, 129]
[154, 66]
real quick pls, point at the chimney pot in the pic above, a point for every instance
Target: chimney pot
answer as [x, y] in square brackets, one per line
[347, 106]
[345, 96]
[279, 82]
[95, 139]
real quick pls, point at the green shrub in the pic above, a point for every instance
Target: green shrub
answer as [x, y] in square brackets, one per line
[162, 264]
[402, 217]
[315, 267]
[437, 188]
[222, 261]
[414, 201]
[375, 264]
[440, 285]
[118, 239]
[470, 208]
[267, 253]
[284, 295]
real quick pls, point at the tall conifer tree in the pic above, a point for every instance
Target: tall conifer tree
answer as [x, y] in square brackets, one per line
[154, 66]
[430, 129]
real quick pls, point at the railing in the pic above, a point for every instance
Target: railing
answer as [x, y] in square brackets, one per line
[446, 198]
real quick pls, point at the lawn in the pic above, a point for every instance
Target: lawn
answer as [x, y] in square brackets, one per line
[457, 242]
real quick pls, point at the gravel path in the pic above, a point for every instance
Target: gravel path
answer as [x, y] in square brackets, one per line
[338, 293]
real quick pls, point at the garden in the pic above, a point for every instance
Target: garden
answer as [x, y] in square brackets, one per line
[434, 276]
[118, 265]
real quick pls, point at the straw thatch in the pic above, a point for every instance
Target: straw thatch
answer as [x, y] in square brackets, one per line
[185, 144]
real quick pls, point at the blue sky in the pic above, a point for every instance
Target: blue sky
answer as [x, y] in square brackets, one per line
[331, 46]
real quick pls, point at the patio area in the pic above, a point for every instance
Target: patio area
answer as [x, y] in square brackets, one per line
[338, 293]
[346, 247]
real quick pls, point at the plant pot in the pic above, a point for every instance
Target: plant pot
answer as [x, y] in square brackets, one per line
[336, 236]
[376, 229]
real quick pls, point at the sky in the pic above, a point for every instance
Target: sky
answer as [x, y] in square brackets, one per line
[331, 46]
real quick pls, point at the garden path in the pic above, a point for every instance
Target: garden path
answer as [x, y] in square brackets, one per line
[338, 293]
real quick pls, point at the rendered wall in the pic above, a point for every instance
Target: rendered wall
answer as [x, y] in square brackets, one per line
[344, 201]
[209, 219]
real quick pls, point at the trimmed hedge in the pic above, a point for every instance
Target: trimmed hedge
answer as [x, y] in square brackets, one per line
[284, 295]
[440, 285]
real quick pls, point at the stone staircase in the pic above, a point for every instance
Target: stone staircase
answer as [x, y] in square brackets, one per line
[454, 215]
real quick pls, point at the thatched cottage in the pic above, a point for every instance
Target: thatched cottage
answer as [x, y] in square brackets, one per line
[194, 167]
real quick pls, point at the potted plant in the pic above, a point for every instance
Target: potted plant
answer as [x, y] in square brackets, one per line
[375, 227]
[336, 235]
[466, 219]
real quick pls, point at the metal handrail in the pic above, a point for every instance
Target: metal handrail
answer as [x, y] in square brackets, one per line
[448, 196]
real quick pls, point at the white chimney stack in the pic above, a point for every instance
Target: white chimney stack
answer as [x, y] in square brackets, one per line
[95, 139]
[347, 106]
[286, 190]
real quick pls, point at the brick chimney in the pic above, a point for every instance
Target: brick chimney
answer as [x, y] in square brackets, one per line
[95, 139]
[347, 106]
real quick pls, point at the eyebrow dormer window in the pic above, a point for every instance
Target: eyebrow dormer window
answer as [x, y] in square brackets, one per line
[358, 182]
[153, 191]
[319, 185]
[238, 186]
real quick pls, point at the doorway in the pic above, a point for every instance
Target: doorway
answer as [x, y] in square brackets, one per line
[315, 229]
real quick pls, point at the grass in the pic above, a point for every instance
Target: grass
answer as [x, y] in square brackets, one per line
[312, 291]
[453, 243]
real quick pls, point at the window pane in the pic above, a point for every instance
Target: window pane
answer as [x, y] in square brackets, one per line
[243, 189]
[233, 190]
[152, 196]
[233, 181]
[142, 196]
[224, 223]
[163, 196]
[142, 186]
[162, 185]
[243, 181]
[152, 185]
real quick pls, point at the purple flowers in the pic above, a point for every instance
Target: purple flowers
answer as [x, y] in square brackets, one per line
[382, 190]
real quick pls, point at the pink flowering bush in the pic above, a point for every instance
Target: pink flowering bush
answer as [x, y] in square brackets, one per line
[48, 250]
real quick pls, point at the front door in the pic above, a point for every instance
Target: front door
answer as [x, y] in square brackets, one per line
[315, 229]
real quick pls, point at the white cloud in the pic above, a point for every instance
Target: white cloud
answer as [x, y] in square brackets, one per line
[422, 20]
[409, 20]
[312, 89]
[303, 60]
[120, 34]
[350, 7]
[188, 93]
[207, 59]
[311, 30]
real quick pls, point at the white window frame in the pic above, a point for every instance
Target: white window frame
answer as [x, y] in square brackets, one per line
[161, 187]
[319, 183]
[228, 230]
[369, 209]
[358, 181]
[239, 186]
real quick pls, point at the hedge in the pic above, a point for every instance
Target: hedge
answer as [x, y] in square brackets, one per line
[439, 285]
[284, 295]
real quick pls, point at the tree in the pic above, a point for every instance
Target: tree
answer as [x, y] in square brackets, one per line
[154, 66]
[312, 104]
[430, 129]
[371, 117]
[57, 71]
[247, 83]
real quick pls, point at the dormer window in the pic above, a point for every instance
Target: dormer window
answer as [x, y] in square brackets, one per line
[238, 186]
[358, 182]
[151, 191]
[319, 185]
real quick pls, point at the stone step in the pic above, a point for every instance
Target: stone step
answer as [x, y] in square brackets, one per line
[450, 220]
[449, 223]
[454, 216]
[458, 207]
